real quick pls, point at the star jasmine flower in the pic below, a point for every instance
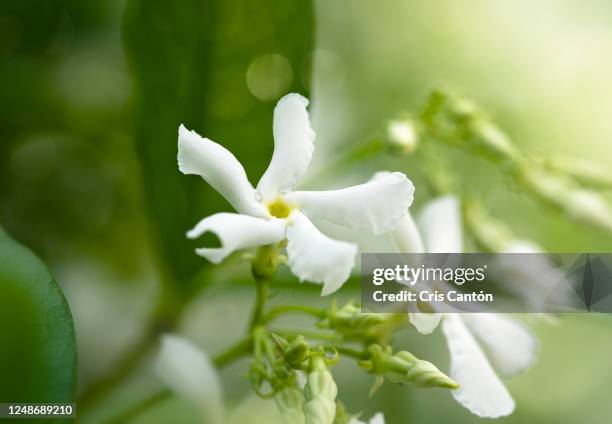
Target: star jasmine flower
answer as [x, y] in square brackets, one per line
[189, 372]
[478, 343]
[273, 212]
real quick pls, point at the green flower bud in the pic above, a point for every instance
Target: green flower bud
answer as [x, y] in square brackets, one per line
[290, 401]
[403, 367]
[350, 319]
[297, 351]
[489, 233]
[585, 172]
[320, 393]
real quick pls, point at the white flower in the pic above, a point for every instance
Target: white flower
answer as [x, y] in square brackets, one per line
[510, 348]
[377, 418]
[273, 212]
[187, 370]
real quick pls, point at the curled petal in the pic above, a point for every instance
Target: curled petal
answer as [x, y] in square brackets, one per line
[480, 391]
[293, 147]
[236, 231]
[406, 236]
[189, 372]
[317, 258]
[510, 346]
[376, 206]
[440, 224]
[219, 168]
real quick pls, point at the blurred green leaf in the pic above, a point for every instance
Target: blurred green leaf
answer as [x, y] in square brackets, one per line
[189, 61]
[38, 352]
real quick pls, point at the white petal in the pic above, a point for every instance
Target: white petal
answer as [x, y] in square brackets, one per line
[293, 147]
[406, 236]
[377, 418]
[219, 168]
[236, 231]
[317, 258]
[188, 371]
[440, 224]
[376, 206]
[425, 323]
[510, 346]
[480, 389]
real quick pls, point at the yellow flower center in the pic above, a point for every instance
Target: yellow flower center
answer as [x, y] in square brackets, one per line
[279, 208]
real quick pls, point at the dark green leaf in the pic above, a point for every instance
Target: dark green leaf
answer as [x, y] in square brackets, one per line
[37, 342]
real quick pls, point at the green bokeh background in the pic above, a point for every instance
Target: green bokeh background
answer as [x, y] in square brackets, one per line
[92, 96]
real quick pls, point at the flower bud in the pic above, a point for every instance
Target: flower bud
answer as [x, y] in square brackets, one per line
[580, 204]
[320, 393]
[585, 172]
[403, 367]
[402, 135]
[290, 401]
[350, 319]
[490, 234]
[297, 351]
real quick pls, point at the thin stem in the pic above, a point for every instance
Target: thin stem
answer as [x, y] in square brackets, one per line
[261, 297]
[347, 351]
[284, 309]
[310, 334]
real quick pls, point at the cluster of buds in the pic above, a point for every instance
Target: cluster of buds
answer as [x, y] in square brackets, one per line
[403, 368]
[455, 120]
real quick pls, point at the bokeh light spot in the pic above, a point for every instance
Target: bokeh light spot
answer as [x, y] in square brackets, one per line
[269, 76]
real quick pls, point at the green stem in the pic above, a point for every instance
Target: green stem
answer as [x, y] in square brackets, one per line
[281, 310]
[353, 353]
[261, 297]
[310, 334]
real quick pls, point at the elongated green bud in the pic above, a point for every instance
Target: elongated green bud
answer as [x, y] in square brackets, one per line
[424, 373]
[290, 402]
[403, 367]
[350, 319]
[582, 205]
[490, 234]
[586, 172]
[320, 393]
